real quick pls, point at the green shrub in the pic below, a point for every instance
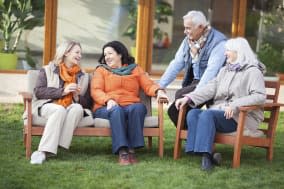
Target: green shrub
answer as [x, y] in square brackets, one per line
[271, 51]
[272, 57]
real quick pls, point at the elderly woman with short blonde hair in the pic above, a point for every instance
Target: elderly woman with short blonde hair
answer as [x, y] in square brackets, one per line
[61, 93]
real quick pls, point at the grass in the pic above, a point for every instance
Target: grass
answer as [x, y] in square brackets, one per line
[90, 164]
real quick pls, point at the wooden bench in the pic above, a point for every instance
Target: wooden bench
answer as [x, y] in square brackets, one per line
[239, 138]
[34, 125]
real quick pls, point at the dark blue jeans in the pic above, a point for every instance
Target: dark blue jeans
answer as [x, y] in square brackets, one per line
[126, 124]
[202, 127]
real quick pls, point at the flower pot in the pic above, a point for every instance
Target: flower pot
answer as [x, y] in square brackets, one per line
[8, 61]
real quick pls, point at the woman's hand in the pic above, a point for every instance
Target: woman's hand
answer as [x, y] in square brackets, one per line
[71, 88]
[111, 103]
[228, 112]
[162, 95]
[181, 102]
[76, 95]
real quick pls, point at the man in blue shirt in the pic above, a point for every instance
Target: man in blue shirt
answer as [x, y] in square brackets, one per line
[201, 55]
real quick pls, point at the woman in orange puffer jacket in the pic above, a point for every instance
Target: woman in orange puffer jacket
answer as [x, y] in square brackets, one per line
[115, 91]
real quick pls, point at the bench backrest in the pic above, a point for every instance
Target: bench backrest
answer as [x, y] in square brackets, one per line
[32, 76]
[272, 94]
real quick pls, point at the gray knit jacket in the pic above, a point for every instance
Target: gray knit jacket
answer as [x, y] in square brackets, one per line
[235, 88]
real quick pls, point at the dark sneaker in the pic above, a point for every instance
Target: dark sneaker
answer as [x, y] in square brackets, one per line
[217, 158]
[206, 164]
[123, 159]
[132, 158]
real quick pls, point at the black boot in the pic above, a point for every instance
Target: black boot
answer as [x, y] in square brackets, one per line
[206, 164]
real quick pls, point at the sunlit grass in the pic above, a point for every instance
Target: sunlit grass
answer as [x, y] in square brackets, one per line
[90, 164]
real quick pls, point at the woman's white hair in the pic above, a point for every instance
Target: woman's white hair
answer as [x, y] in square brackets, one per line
[62, 49]
[197, 18]
[245, 54]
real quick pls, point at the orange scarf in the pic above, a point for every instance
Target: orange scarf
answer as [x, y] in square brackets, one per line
[68, 75]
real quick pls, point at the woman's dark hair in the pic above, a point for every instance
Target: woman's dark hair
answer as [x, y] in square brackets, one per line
[120, 49]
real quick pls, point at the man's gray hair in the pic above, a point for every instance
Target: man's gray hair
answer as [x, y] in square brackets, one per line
[197, 17]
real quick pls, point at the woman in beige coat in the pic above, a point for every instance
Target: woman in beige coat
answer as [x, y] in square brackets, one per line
[61, 93]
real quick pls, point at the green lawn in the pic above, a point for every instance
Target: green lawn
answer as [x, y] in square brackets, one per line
[90, 164]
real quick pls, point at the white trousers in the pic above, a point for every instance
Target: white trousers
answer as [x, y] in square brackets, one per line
[60, 126]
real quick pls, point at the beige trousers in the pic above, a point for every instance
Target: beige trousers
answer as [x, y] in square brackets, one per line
[60, 126]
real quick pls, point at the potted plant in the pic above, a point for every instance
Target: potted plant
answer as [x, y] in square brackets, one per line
[38, 11]
[162, 11]
[15, 16]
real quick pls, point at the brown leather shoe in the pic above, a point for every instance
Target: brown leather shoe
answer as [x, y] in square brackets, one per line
[123, 159]
[132, 158]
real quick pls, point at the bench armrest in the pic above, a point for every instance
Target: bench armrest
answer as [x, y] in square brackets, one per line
[265, 106]
[163, 101]
[26, 95]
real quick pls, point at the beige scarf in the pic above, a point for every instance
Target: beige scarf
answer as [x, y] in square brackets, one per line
[196, 46]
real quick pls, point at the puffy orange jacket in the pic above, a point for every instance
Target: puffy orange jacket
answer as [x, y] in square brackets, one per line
[123, 89]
